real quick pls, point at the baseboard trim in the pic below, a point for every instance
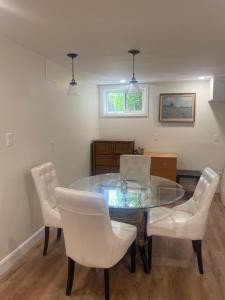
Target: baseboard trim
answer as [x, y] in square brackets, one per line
[7, 262]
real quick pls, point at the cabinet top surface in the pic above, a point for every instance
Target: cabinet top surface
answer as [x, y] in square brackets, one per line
[161, 154]
[112, 141]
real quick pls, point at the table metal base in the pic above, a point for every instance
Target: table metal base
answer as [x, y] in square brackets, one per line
[139, 219]
[144, 259]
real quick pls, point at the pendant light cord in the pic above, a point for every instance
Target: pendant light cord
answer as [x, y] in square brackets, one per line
[133, 80]
[72, 69]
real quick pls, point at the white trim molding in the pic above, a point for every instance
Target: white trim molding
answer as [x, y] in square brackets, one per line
[108, 88]
[7, 262]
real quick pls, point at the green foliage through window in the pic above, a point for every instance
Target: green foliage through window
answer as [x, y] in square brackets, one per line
[119, 101]
[134, 102]
[115, 101]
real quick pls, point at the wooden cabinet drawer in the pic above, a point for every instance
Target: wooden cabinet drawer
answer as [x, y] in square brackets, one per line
[117, 160]
[104, 170]
[103, 148]
[105, 155]
[163, 163]
[164, 167]
[104, 160]
[124, 147]
[165, 174]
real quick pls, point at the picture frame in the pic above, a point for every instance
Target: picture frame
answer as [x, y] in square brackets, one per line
[177, 107]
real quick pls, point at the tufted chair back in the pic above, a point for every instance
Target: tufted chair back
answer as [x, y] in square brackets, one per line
[200, 203]
[45, 181]
[132, 166]
[205, 190]
[189, 219]
[87, 228]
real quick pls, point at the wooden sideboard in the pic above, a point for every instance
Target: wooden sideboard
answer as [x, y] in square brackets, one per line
[105, 155]
[163, 164]
[105, 158]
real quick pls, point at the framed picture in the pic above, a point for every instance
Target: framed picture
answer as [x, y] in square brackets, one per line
[177, 107]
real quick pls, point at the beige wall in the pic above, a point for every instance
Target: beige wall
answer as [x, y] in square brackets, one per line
[194, 144]
[38, 111]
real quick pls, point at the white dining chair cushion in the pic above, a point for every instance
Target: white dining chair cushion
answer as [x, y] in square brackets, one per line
[45, 180]
[91, 239]
[188, 220]
[51, 216]
[124, 231]
[134, 166]
[165, 223]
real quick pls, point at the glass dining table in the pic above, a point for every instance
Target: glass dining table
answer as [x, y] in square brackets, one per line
[130, 199]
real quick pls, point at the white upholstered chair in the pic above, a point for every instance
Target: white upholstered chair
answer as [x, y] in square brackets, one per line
[188, 220]
[45, 181]
[91, 239]
[132, 166]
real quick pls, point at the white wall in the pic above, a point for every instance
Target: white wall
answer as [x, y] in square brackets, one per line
[38, 111]
[193, 143]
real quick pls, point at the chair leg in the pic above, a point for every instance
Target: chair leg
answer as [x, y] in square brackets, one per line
[197, 245]
[71, 269]
[133, 256]
[46, 240]
[59, 232]
[106, 277]
[146, 221]
[150, 252]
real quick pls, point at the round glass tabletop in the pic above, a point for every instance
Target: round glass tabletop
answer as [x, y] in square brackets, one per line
[135, 193]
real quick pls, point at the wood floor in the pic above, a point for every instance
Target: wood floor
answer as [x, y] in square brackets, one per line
[174, 273]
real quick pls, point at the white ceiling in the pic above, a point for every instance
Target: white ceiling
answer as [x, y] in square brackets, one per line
[178, 39]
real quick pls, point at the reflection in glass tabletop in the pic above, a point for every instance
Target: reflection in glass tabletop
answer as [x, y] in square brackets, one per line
[133, 193]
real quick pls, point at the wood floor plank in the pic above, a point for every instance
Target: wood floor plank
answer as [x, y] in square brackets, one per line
[174, 274]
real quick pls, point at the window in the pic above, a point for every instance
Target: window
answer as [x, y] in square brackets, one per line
[115, 102]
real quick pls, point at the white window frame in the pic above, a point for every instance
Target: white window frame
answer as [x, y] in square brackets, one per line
[103, 89]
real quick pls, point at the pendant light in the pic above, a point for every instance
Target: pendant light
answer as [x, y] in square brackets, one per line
[73, 83]
[133, 87]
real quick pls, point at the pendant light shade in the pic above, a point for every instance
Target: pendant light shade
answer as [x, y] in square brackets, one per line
[71, 89]
[133, 87]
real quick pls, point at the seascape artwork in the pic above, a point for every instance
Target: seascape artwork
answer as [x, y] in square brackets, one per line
[177, 107]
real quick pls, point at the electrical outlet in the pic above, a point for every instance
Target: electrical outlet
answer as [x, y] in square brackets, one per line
[155, 137]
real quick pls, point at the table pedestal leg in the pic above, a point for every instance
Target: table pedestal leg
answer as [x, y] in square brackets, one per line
[144, 259]
[142, 240]
[139, 219]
